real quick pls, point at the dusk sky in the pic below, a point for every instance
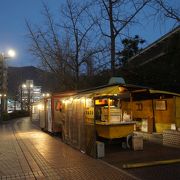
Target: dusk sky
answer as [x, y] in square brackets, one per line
[13, 31]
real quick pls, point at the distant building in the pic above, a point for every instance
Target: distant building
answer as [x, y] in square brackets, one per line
[13, 105]
[160, 49]
[158, 65]
[28, 94]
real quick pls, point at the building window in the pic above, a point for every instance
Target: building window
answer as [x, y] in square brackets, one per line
[161, 105]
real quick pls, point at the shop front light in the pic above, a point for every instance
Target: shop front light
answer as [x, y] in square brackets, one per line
[40, 107]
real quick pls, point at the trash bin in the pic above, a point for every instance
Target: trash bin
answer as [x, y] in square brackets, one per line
[137, 143]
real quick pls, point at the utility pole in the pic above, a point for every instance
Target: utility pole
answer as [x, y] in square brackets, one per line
[3, 86]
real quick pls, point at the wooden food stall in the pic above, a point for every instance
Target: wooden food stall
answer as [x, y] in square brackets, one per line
[155, 111]
[49, 112]
[111, 120]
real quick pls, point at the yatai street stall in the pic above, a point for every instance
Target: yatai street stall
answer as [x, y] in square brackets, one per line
[101, 111]
[112, 118]
[48, 112]
[112, 110]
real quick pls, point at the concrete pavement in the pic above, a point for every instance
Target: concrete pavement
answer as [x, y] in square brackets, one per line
[164, 161]
[28, 153]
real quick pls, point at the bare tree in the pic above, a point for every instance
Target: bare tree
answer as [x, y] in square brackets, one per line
[79, 27]
[50, 49]
[118, 14]
[73, 46]
[169, 11]
[67, 48]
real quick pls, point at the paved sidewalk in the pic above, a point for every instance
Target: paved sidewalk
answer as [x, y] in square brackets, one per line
[28, 153]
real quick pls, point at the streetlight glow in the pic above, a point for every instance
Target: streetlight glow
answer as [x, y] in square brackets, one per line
[11, 53]
[45, 95]
[24, 85]
[40, 106]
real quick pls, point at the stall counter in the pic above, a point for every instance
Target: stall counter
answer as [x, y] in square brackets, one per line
[114, 130]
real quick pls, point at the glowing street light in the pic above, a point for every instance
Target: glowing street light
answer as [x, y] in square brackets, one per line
[11, 53]
[45, 95]
[24, 86]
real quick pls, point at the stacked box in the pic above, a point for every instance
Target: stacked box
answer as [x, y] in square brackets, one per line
[114, 113]
[100, 149]
[137, 143]
[171, 138]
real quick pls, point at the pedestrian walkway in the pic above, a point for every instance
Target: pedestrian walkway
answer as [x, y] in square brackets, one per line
[28, 153]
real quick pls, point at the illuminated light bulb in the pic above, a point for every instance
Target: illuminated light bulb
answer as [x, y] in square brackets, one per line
[11, 53]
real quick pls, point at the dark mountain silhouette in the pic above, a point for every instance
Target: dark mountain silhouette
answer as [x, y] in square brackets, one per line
[18, 75]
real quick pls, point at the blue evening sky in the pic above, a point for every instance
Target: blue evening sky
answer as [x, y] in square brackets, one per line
[13, 30]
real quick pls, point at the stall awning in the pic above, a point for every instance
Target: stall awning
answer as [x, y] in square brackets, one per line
[111, 91]
[152, 91]
[106, 91]
[120, 90]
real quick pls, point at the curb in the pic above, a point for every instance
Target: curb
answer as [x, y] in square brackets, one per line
[152, 163]
[120, 170]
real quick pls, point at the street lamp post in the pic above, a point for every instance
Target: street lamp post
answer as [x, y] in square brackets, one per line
[22, 88]
[30, 94]
[3, 81]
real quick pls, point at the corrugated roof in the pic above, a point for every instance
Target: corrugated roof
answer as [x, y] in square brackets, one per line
[152, 91]
[110, 90]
